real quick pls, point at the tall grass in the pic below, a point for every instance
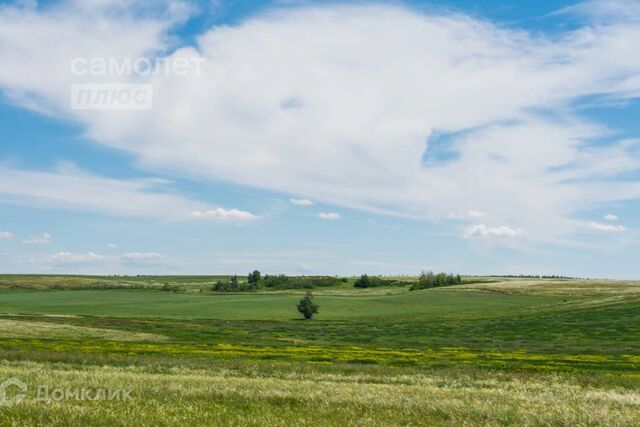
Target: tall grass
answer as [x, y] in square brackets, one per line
[285, 396]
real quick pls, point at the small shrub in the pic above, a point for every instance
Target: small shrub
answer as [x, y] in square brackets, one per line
[307, 307]
[363, 282]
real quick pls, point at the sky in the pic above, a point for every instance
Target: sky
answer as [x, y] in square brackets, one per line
[301, 137]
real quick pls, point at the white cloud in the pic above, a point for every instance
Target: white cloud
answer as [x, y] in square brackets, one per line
[337, 102]
[395, 265]
[606, 227]
[70, 257]
[475, 214]
[142, 256]
[329, 216]
[107, 261]
[301, 202]
[220, 214]
[6, 235]
[602, 10]
[481, 230]
[112, 245]
[41, 239]
[71, 188]
[611, 217]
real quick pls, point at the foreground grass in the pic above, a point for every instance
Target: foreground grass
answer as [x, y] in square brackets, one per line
[284, 395]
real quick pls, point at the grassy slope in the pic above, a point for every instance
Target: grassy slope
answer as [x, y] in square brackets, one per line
[536, 352]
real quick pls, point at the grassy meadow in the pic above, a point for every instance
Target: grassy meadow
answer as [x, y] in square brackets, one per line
[491, 351]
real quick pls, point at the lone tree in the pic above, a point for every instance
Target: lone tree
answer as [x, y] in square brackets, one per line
[253, 279]
[363, 282]
[307, 307]
[233, 284]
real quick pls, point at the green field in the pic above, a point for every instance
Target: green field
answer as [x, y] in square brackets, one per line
[265, 306]
[500, 352]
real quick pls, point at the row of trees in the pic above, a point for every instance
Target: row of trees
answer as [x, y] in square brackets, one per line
[426, 280]
[234, 285]
[255, 280]
[282, 281]
[366, 281]
[429, 280]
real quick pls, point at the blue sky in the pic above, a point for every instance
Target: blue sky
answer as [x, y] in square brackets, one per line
[322, 138]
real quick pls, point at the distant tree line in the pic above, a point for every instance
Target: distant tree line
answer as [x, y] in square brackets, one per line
[366, 281]
[235, 285]
[531, 276]
[429, 280]
[282, 281]
[255, 280]
[90, 286]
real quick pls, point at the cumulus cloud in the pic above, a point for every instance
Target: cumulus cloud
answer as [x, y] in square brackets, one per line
[40, 239]
[142, 256]
[71, 257]
[341, 103]
[220, 214]
[481, 230]
[606, 227]
[611, 217]
[6, 235]
[301, 202]
[475, 214]
[329, 216]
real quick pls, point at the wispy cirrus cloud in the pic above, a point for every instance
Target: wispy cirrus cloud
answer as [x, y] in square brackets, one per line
[95, 259]
[40, 239]
[142, 256]
[220, 214]
[606, 227]
[475, 214]
[301, 202]
[71, 188]
[72, 257]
